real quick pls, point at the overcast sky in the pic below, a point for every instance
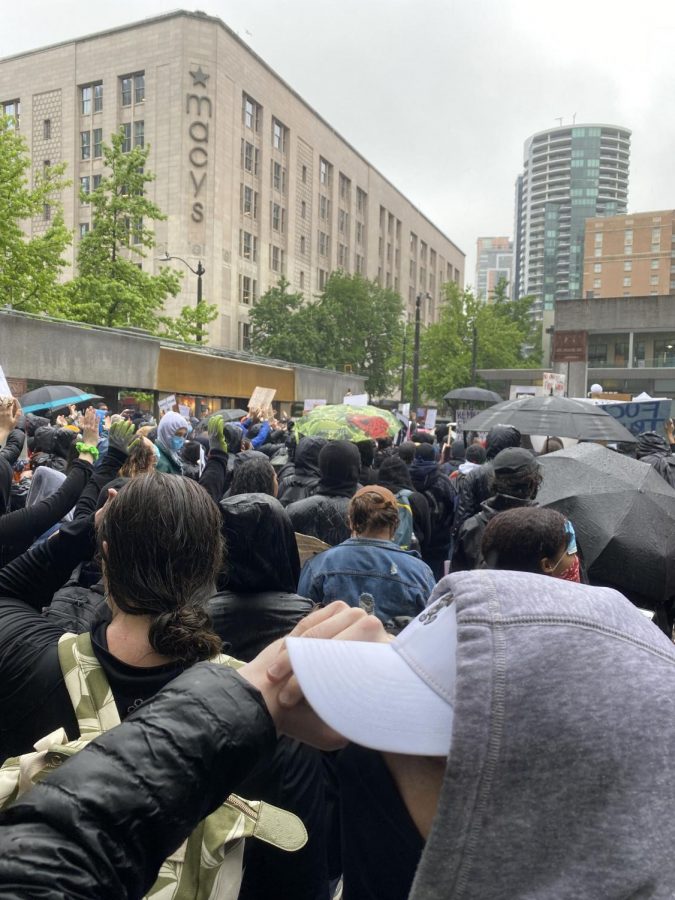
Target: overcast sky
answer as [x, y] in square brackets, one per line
[441, 94]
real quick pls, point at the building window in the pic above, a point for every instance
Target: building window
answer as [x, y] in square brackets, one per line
[249, 201]
[250, 156]
[98, 97]
[277, 217]
[598, 251]
[248, 246]
[596, 283]
[656, 235]
[279, 135]
[343, 221]
[358, 263]
[597, 267]
[360, 200]
[85, 145]
[85, 187]
[325, 172]
[343, 256]
[139, 87]
[322, 278]
[12, 108]
[628, 250]
[655, 264]
[252, 113]
[248, 289]
[628, 236]
[84, 229]
[423, 251]
[628, 265]
[303, 209]
[324, 244]
[86, 94]
[359, 232]
[139, 133]
[302, 281]
[98, 143]
[654, 279]
[413, 270]
[303, 245]
[278, 177]
[276, 258]
[324, 207]
[413, 244]
[126, 140]
[345, 188]
[47, 130]
[244, 336]
[126, 90]
[304, 174]
[627, 281]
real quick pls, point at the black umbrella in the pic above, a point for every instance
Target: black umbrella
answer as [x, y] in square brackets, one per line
[229, 415]
[473, 393]
[623, 512]
[54, 396]
[559, 416]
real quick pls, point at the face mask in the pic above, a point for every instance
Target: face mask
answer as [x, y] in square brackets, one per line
[155, 450]
[177, 443]
[572, 573]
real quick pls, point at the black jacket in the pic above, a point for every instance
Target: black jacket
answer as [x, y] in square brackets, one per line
[247, 623]
[466, 551]
[428, 479]
[322, 517]
[302, 482]
[474, 487]
[655, 450]
[107, 819]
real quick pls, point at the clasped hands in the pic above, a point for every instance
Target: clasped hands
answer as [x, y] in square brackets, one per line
[271, 671]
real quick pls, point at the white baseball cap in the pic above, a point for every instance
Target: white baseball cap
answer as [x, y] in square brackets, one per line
[396, 697]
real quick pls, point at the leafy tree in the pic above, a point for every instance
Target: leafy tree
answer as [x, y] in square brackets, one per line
[111, 288]
[505, 337]
[29, 268]
[353, 323]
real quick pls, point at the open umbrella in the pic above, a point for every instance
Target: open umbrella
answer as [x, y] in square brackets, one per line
[350, 423]
[54, 396]
[229, 415]
[623, 513]
[559, 416]
[473, 393]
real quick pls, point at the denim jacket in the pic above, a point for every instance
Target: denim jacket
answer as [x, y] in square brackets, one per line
[363, 571]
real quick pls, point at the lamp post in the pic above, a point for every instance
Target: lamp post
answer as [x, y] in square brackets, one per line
[474, 351]
[199, 272]
[405, 345]
[416, 351]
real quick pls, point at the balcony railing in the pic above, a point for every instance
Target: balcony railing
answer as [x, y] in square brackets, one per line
[656, 362]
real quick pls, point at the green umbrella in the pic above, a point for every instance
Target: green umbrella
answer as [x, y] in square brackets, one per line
[348, 423]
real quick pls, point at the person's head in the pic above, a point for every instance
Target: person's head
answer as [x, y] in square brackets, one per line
[262, 550]
[406, 452]
[552, 445]
[253, 474]
[373, 513]
[161, 548]
[394, 474]
[142, 458]
[475, 453]
[233, 436]
[366, 452]
[425, 453]
[458, 450]
[307, 455]
[339, 466]
[499, 438]
[530, 539]
[172, 431]
[516, 473]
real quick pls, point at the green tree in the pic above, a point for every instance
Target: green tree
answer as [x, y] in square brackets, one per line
[505, 337]
[29, 267]
[284, 327]
[110, 287]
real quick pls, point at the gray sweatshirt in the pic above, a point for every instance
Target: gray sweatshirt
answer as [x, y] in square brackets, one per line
[560, 782]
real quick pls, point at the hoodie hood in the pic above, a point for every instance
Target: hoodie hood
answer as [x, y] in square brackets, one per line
[499, 438]
[307, 456]
[233, 436]
[557, 783]
[262, 553]
[652, 444]
[394, 474]
[339, 466]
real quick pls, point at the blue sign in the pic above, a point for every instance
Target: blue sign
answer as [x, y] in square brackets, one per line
[640, 415]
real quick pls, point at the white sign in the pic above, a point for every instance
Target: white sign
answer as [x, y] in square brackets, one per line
[309, 405]
[356, 400]
[261, 398]
[554, 384]
[184, 411]
[518, 391]
[4, 387]
[404, 409]
[430, 421]
[167, 404]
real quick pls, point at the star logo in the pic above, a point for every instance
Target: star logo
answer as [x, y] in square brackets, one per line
[199, 77]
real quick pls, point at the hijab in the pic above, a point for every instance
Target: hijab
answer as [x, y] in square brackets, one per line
[261, 547]
[339, 466]
[168, 426]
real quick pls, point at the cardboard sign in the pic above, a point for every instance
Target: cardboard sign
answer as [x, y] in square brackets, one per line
[356, 400]
[648, 415]
[4, 387]
[430, 419]
[554, 384]
[262, 398]
[167, 404]
[309, 405]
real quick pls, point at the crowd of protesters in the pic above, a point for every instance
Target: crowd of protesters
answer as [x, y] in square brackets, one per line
[379, 662]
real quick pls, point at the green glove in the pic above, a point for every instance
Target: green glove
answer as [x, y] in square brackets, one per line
[121, 435]
[216, 437]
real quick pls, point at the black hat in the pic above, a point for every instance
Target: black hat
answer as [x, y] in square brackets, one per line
[514, 461]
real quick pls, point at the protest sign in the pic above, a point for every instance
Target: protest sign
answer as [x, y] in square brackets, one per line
[309, 405]
[356, 399]
[184, 410]
[167, 403]
[4, 387]
[262, 398]
[639, 416]
[462, 416]
[554, 384]
[430, 419]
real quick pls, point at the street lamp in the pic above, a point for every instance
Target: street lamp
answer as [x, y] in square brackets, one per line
[416, 351]
[199, 271]
[405, 345]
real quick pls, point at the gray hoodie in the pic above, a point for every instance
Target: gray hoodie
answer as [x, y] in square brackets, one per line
[560, 782]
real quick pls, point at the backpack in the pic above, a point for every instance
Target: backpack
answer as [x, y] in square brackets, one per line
[404, 533]
[208, 865]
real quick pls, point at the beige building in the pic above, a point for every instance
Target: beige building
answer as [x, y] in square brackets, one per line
[254, 182]
[630, 255]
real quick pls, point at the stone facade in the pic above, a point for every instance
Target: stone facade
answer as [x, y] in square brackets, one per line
[253, 181]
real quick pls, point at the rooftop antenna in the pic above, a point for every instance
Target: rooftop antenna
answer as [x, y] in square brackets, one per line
[574, 118]
[559, 120]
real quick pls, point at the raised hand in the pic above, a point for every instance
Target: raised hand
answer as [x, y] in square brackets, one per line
[216, 436]
[9, 413]
[121, 435]
[90, 428]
